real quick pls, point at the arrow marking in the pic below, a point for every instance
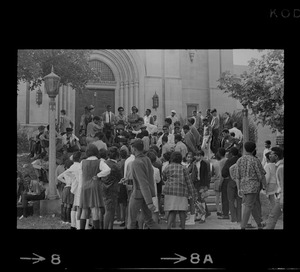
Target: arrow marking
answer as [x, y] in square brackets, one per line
[39, 259]
[180, 259]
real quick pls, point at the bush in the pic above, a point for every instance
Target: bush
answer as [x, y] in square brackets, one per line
[22, 140]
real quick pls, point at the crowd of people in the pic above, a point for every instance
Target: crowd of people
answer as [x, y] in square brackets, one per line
[126, 170]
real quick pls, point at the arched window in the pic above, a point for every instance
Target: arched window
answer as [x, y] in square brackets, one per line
[106, 72]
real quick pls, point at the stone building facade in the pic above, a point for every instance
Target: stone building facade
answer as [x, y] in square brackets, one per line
[184, 80]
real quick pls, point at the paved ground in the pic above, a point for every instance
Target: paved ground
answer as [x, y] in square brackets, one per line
[212, 222]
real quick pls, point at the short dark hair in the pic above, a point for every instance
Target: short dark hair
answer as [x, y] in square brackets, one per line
[165, 126]
[214, 110]
[268, 142]
[177, 123]
[154, 147]
[267, 155]
[234, 124]
[168, 120]
[92, 150]
[63, 111]
[77, 156]
[186, 127]
[278, 151]
[148, 110]
[191, 120]
[145, 133]
[234, 151]
[103, 153]
[96, 118]
[222, 151]
[205, 119]
[176, 157]
[250, 146]
[152, 156]
[68, 163]
[108, 106]
[138, 144]
[113, 152]
[199, 153]
[167, 155]
[99, 135]
[178, 137]
[123, 154]
[164, 138]
[225, 130]
[232, 134]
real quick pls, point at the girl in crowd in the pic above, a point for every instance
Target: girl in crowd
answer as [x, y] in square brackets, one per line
[67, 198]
[178, 187]
[271, 181]
[73, 174]
[91, 198]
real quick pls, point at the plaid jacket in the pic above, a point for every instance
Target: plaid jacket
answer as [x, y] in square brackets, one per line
[178, 181]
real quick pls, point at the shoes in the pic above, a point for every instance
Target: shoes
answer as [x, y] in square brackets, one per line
[207, 215]
[224, 217]
[122, 224]
[117, 222]
[249, 226]
[201, 221]
[219, 214]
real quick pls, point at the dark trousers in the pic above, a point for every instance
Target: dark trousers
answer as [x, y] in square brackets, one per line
[225, 202]
[215, 140]
[232, 194]
[26, 197]
[252, 206]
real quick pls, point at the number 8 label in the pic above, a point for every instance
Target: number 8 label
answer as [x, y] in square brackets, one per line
[55, 259]
[195, 258]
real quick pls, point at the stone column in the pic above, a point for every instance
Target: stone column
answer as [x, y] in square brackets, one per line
[136, 94]
[121, 94]
[52, 150]
[126, 99]
[130, 94]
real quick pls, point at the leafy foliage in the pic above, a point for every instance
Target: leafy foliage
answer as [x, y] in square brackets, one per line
[22, 140]
[262, 88]
[71, 65]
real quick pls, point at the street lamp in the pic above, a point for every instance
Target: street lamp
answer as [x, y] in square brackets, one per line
[52, 82]
[155, 100]
[245, 125]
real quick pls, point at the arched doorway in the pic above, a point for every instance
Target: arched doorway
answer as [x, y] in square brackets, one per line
[99, 94]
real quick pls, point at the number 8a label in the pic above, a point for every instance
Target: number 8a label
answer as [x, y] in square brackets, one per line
[55, 259]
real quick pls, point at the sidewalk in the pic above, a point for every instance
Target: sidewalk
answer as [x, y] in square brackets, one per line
[212, 222]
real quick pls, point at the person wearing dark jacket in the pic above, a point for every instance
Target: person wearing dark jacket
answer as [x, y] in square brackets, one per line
[143, 188]
[229, 189]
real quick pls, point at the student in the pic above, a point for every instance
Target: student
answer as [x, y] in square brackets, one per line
[192, 171]
[67, 198]
[111, 187]
[166, 147]
[266, 150]
[180, 146]
[98, 140]
[271, 182]
[60, 168]
[91, 199]
[143, 188]
[75, 172]
[40, 192]
[178, 187]
[122, 196]
[207, 135]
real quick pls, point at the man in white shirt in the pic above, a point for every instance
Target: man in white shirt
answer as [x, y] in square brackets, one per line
[266, 150]
[70, 141]
[237, 133]
[174, 118]
[180, 146]
[98, 141]
[65, 122]
[109, 122]
[169, 135]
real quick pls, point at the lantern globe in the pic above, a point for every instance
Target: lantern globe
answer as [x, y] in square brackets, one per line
[52, 82]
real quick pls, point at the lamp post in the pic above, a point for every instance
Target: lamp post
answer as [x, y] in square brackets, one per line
[245, 125]
[155, 100]
[52, 88]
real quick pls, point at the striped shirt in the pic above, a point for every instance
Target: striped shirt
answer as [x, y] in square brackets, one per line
[178, 181]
